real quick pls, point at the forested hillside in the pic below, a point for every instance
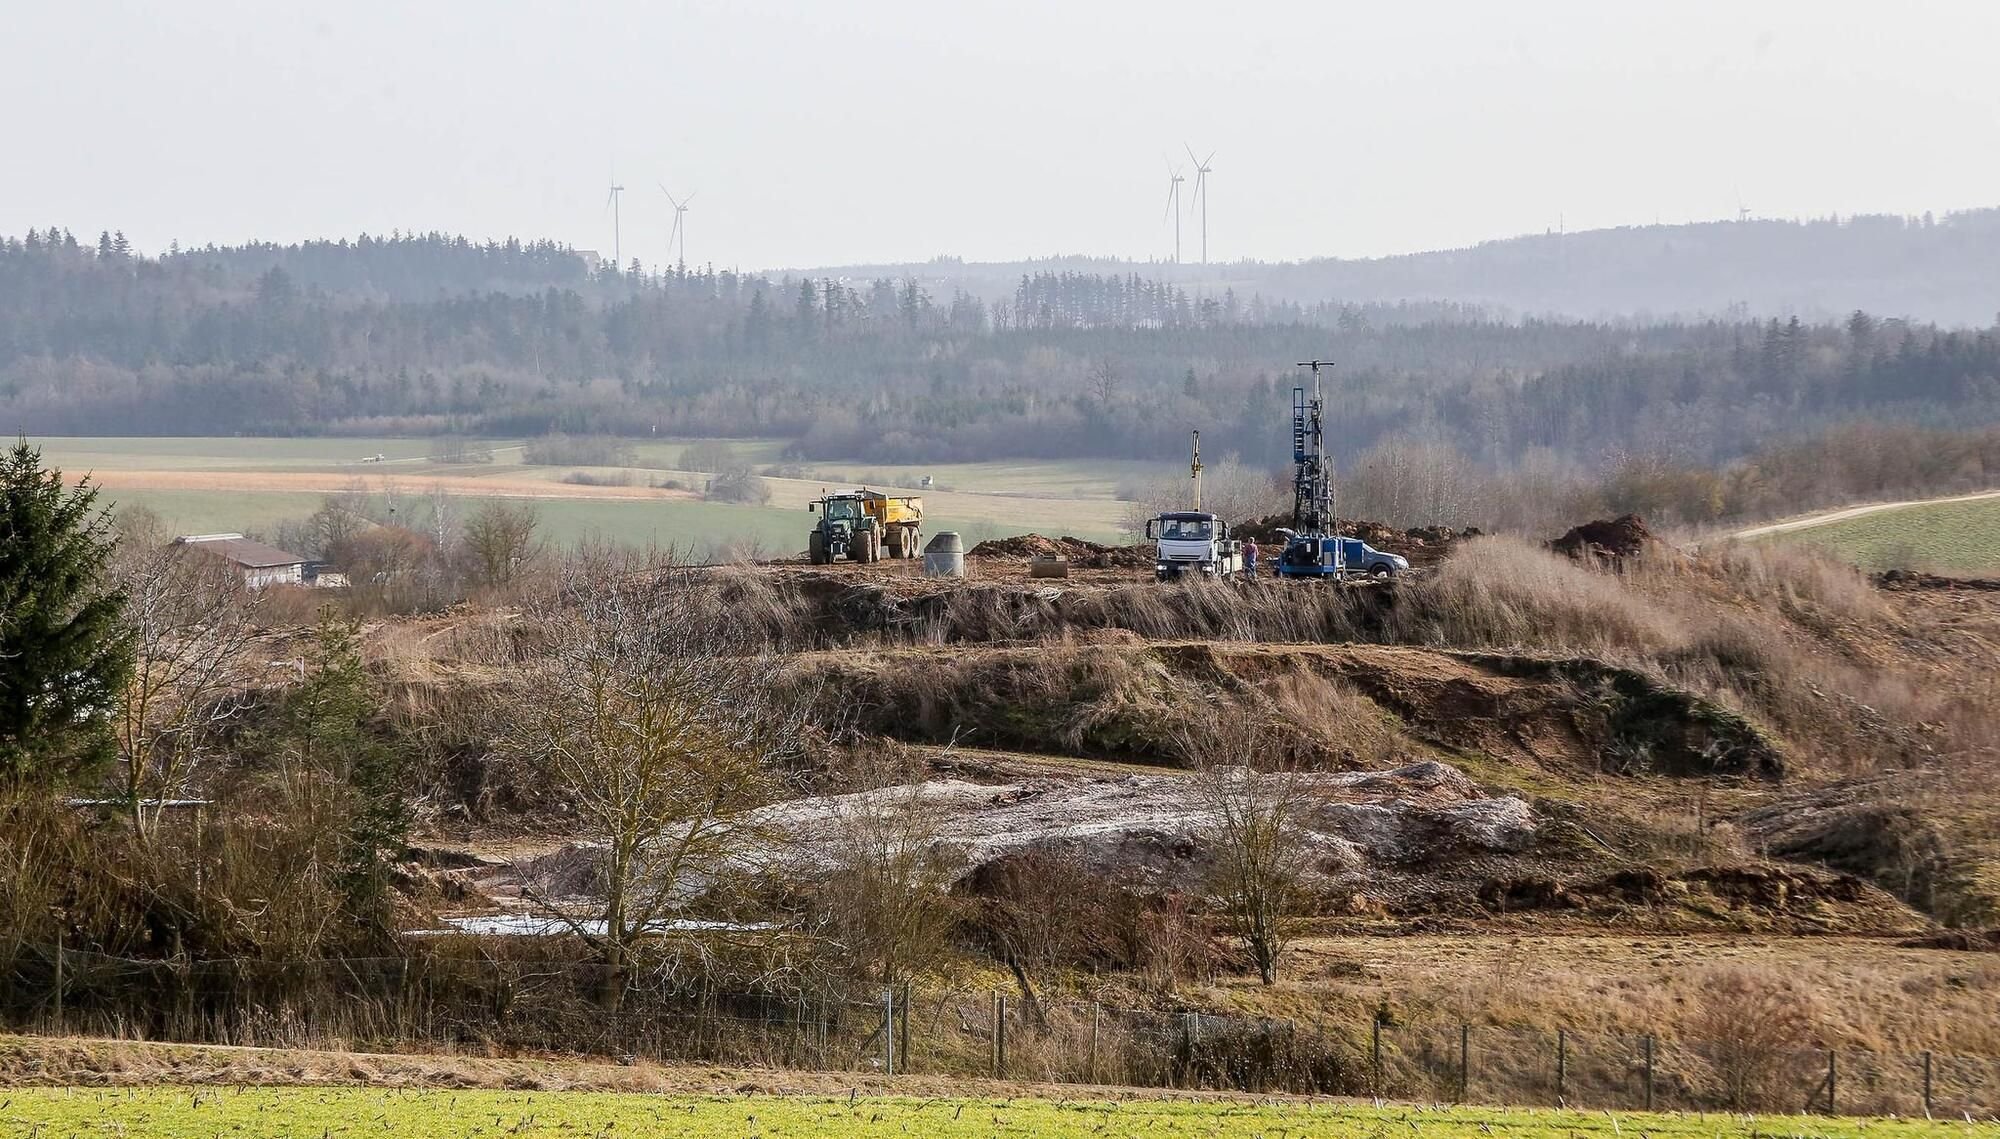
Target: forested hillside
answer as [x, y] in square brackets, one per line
[432, 334]
[1925, 268]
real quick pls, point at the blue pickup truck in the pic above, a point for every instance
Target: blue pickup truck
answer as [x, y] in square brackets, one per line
[1316, 555]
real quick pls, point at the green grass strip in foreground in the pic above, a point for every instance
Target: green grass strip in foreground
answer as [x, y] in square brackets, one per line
[313, 1113]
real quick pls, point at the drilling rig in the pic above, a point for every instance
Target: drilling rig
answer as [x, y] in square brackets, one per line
[1313, 545]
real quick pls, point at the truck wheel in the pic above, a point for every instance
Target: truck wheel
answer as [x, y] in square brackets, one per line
[1381, 573]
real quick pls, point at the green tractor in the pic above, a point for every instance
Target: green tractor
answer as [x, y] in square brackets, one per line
[864, 525]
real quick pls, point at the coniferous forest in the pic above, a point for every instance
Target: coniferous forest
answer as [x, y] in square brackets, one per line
[433, 334]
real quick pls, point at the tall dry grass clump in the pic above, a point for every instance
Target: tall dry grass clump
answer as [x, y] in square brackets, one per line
[1501, 592]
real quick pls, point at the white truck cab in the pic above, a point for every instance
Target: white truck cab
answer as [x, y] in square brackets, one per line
[1191, 541]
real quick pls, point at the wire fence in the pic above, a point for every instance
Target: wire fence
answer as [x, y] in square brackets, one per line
[504, 1007]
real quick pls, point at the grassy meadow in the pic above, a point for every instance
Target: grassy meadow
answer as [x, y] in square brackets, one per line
[1945, 537]
[256, 1113]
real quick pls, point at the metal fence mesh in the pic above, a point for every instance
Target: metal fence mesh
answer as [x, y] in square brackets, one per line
[526, 1007]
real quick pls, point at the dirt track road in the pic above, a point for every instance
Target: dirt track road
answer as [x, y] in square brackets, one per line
[1807, 522]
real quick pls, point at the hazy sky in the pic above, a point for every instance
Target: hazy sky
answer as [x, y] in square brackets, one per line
[826, 133]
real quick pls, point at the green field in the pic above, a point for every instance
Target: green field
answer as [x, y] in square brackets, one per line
[1946, 537]
[699, 527]
[220, 484]
[315, 1113]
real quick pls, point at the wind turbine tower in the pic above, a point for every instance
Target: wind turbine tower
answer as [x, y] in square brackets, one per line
[1201, 169]
[1174, 181]
[679, 232]
[617, 253]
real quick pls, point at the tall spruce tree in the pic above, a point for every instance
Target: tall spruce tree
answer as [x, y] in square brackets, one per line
[64, 652]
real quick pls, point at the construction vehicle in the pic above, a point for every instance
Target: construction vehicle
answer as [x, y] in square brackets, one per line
[864, 526]
[1193, 541]
[1313, 545]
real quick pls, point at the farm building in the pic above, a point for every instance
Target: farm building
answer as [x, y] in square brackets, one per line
[261, 565]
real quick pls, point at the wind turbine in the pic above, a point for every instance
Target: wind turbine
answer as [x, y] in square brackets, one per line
[680, 222]
[1201, 169]
[617, 253]
[1174, 181]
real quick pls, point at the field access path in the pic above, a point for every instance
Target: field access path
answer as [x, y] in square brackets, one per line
[1828, 517]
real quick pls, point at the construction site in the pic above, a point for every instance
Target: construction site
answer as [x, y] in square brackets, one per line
[1284, 804]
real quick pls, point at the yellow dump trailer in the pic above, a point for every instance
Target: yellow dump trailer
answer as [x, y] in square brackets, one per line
[866, 525]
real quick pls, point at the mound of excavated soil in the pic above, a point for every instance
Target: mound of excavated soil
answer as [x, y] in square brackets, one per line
[1620, 537]
[1079, 551]
[1913, 580]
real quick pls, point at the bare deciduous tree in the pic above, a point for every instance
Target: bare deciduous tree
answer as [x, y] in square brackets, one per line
[887, 894]
[499, 540]
[660, 724]
[191, 621]
[1254, 826]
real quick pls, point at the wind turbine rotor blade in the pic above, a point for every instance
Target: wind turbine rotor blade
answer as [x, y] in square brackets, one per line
[1191, 157]
[683, 203]
[1206, 161]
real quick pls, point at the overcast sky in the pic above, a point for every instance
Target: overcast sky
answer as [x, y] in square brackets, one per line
[871, 131]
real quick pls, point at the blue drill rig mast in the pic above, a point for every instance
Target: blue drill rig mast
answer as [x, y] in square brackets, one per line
[1312, 485]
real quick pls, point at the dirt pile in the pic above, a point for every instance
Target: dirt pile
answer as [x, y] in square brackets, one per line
[1902, 580]
[1079, 551]
[1422, 545]
[1620, 537]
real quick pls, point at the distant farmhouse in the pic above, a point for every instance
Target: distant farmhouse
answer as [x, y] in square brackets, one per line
[260, 565]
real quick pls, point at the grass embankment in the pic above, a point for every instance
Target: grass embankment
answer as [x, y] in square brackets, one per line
[1946, 537]
[174, 1112]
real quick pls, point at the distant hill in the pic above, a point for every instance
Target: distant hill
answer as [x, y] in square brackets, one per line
[1945, 270]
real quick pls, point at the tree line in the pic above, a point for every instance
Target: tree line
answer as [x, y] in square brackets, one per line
[436, 336]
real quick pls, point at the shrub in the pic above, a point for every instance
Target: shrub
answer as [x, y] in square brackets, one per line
[559, 450]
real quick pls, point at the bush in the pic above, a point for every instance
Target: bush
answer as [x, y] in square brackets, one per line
[559, 450]
[598, 478]
[739, 486]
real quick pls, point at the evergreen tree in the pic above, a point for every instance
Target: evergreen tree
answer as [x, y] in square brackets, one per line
[326, 730]
[64, 654]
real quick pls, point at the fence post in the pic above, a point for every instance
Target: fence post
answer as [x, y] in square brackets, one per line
[1832, 1073]
[903, 1029]
[1562, 1066]
[889, 1031]
[59, 981]
[1649, 1071]
[999, 1034]
[1464, 1059]
[1097, 1012]
[1375, 1053]
[1927, 1085]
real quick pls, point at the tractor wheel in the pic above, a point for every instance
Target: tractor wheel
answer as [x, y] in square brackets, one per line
[816, 548]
